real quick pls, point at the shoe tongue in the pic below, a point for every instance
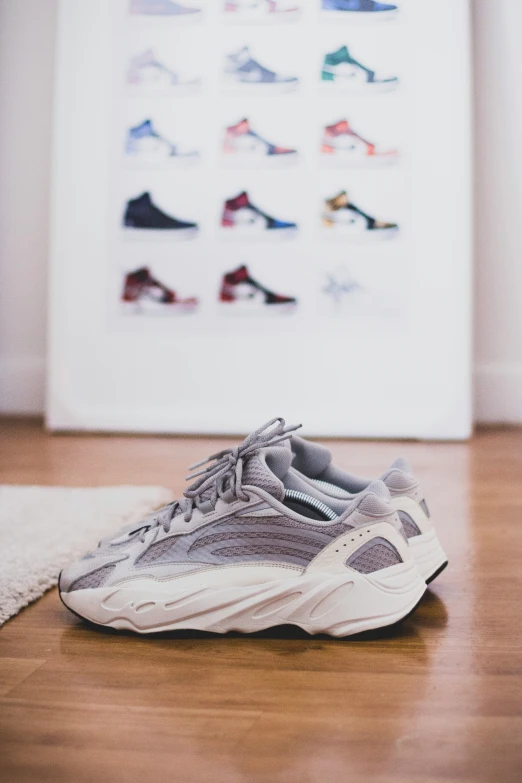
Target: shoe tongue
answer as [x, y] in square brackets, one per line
[242, 198]
[266, 469]
[243, 55]
[341, 198]
[309, 458]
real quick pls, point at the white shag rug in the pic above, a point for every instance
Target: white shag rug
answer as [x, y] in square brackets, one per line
[43, 529]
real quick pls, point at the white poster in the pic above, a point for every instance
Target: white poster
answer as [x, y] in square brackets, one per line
[262, 208]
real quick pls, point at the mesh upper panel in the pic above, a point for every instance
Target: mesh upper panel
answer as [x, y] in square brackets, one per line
[156, 551]
[410, 528]
[216, 538]
[265, 549]
[94, 579]
[331, 530]
[380, 554]
[241, 534]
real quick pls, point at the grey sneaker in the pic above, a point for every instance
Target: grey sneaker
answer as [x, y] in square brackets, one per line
[243, 551]
[314, 465]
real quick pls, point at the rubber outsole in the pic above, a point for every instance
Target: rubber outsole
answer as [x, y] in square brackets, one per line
[278, 631]
[436, 573]
[317, 603]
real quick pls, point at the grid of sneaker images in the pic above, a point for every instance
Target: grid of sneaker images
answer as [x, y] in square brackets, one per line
[260, 160]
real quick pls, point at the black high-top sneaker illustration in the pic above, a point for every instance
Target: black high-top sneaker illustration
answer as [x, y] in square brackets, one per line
[240, 293]
[143, 294]
[142, 216]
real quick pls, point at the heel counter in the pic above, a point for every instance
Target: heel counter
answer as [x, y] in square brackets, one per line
[413, 513]
[340, 555]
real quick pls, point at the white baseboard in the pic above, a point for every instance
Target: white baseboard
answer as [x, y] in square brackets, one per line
[498, 393]
[22, 385]
[498, 389]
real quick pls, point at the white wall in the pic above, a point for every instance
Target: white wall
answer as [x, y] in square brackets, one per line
[27, 34]
[498, 237]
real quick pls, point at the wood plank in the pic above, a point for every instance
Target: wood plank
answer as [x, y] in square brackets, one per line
[14, 670]
[438, 699]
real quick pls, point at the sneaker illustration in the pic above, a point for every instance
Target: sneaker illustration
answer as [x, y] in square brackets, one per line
[164, 8]
[341, 287]
[242, 220]
[313, 462]
[145, 146]
[342, 146]
[241, 71]
[143, 218]
[261, 11]
[246, 549]
[363, 10]
[244, 148]
[143, 294]
[148, 73]
[342, 217]
[240, 293]
[343, 71]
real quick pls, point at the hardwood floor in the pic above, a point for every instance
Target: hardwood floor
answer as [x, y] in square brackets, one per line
[438, 699]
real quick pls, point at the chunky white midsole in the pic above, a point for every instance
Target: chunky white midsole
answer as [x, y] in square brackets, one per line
[428, 553]
[339, 604]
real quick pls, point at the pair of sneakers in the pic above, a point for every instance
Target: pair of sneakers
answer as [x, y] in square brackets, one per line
[268, 533]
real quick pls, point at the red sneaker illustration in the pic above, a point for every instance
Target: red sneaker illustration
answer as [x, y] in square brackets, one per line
[143, 294]
[244, 148]
[342, 146]
[243, 220]
[240, 293]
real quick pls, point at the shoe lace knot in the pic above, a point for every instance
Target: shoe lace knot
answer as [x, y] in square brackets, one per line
[222, 474]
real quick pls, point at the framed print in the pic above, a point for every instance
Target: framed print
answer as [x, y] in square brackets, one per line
[261, 209]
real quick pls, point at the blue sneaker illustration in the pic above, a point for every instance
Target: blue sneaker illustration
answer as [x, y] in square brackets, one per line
[163, 8]
[243, 72]
[367, 10]
[145, 146]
